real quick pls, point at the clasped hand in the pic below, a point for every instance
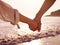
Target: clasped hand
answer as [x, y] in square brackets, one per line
[35, 25]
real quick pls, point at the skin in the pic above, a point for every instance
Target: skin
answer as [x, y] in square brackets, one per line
[46, 5]
[36, 22]
[32, 24]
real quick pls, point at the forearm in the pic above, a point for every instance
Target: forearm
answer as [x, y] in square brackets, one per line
[46, 5]
[25, 19]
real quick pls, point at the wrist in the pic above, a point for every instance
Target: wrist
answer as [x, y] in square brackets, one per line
[37, 18]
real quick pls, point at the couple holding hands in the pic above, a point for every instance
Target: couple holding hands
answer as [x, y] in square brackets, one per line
[7, 13]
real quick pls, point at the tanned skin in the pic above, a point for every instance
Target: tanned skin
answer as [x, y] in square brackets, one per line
[30, 22]
[36, 22]
[46, 5]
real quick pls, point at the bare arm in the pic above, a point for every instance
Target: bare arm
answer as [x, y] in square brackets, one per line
[46, 5]
[32, 24]
[7, 13]
[24, 19]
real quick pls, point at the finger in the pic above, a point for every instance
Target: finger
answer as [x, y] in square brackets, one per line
[33, 29]
[39, 27]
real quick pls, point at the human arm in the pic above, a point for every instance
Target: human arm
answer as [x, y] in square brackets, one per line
[46, 5]
[32, 24]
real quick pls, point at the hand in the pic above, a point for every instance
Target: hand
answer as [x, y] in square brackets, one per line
[38, 21]
[33, 25]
